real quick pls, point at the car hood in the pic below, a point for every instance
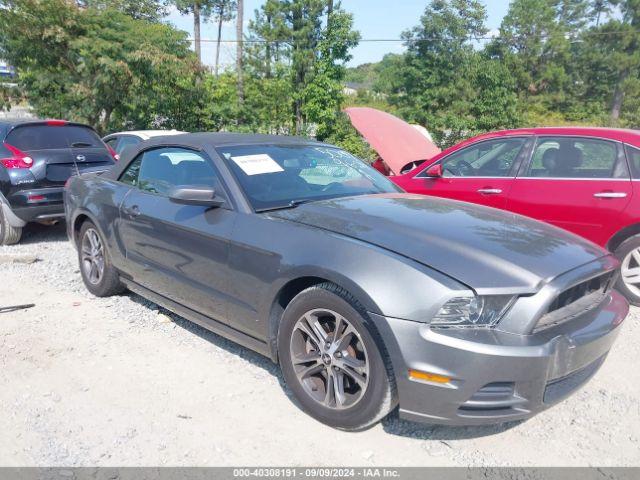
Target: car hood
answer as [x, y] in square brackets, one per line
[397, 142]
[487, 249]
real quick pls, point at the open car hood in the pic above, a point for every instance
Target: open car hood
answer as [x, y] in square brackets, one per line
[397, 142]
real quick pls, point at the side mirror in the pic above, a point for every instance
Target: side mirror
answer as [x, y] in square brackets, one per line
[195, 195]
[434, 170]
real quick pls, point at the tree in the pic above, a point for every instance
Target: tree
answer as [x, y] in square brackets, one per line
[98, 66]
[221, 11]
[200, 9]
[441, 80]
[150, 10]
[240, 52]
[314, 54]
[322, 96]
[621, 38]
[535, 42]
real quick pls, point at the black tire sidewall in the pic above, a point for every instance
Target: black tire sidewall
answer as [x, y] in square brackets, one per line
[621, 252]
[3, 229]
[367, 408]
[9, 235]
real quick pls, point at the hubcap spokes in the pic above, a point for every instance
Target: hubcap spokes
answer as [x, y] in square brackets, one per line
[329, 359]
[92, 254]
[630, 271]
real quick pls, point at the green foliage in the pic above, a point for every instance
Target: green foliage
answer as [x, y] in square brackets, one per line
[187, 7]
[555, 62]
[99, 66]
[300, 63]
[150, 10]
[114, 65]
[345, 136]
[443, 82]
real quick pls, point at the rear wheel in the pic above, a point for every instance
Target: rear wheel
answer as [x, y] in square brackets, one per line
[9, 235]
[629, 282]
[331, 361]
[99, 276]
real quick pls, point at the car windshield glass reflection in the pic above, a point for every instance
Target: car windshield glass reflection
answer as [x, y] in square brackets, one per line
[286, 176]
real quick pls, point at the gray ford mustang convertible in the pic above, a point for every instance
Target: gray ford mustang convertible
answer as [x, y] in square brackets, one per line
[367, 297]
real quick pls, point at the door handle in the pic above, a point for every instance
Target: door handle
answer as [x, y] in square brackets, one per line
[490, 191]
[610, 195]
[134, 211]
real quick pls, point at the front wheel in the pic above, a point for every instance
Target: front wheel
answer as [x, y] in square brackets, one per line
[629, 282]
[332, 363]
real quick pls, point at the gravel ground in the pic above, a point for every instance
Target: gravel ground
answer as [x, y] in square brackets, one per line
[118, 382]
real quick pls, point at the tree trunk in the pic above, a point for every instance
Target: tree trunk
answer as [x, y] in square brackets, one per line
[267, 53]
[239, 50]
[219, 38]
[618, 96]
[196, 30]
[297, 66]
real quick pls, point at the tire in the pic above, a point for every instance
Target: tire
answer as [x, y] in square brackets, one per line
[625, 253]
[9, 235]
[357, 408]
[107, 283]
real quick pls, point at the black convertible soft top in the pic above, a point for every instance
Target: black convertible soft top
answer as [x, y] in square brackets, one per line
[200, 141]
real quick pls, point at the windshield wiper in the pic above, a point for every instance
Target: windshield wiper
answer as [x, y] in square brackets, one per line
[80, 144]
[291, 204]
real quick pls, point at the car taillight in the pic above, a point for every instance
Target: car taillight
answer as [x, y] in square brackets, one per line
[56, 123]
[113, 153]
[18, 159]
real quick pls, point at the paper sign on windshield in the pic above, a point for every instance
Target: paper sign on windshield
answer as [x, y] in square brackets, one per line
[257, 164]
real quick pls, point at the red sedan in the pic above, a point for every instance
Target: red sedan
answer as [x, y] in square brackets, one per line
[585, 180]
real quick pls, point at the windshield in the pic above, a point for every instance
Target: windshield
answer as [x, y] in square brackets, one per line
[280, 176]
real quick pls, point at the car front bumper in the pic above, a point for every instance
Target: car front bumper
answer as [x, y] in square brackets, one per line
[495, 376]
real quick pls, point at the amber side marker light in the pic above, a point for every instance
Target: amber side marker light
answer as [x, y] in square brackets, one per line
[429, 377]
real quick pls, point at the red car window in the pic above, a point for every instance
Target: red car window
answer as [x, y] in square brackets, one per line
[572, 157]
[492, 158]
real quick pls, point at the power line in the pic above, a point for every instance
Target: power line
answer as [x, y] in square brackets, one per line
[427, 39]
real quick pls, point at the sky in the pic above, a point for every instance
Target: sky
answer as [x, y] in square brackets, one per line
[372, 18]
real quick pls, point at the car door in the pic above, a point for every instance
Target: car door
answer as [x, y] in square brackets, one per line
[580, 184]
[480, 173]
[178, 251]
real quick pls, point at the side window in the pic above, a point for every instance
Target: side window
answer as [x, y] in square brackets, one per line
[633, 155]
[130, 175]
[493, 158]
[112, 142]
[127, 141]
[158, 171]
[570, 157]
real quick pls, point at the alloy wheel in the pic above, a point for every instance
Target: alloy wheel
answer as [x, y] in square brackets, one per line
[92, 253]
[329, 359]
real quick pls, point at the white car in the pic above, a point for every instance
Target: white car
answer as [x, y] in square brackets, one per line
[121, 140]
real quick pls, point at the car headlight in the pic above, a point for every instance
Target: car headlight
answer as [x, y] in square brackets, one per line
[474, 311]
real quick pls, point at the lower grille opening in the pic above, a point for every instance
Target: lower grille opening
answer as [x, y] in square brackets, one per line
[497, 398]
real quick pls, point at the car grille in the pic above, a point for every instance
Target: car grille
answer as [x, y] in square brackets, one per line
[577, 300]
